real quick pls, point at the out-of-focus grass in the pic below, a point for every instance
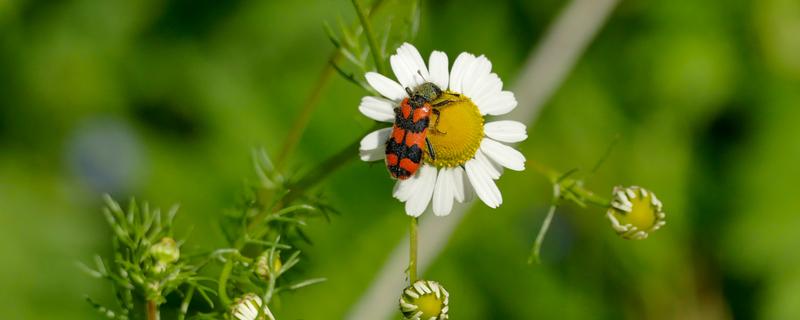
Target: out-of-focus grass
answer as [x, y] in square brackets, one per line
[165, 100]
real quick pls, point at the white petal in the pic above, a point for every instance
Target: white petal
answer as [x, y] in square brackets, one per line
[463, 61]
[402, 72]
[385, 86]
[493, 170]
[497, 104]
[506, 131]
[488, 86]
[373, 145]
[479, 69]
[414, 62]
[503, 154]
[484, 186]
[421, 196]
[459, 190]
[377, 109]
[403, 189]
[443, 192]
[437, 64]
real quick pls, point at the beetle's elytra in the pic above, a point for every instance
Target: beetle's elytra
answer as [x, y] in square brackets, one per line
[404, 149]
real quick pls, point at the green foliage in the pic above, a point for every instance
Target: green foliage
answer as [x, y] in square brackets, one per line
[139, 276]
[703, 93]
[147, 266]
[365, 49]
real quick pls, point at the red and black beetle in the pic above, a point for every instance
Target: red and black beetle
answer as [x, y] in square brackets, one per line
[404, 148]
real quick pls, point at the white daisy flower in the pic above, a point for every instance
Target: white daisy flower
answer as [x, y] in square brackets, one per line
[469, 152]
[246, 308]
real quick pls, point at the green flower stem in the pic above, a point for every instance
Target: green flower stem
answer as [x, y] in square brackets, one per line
[377, 53]
[222, 284]
[412, 253]
[564, 188]
[537, 246]
[585, 194]
[330, 165]
[270, 290]
[185, 304]
[310, 104]
[152, 310]
[571, 189]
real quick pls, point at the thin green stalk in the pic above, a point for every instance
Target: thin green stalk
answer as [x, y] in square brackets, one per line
[331, 164]
[222, 284]
[568, 185]
[412, 254]
[377, 53]
[310, 104]
[309, 180]
[270, 290]
[537, 246]
[185, 304]
[299, 125]
[587, 195]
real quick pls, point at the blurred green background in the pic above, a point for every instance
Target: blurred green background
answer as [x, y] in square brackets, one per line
[164, 100]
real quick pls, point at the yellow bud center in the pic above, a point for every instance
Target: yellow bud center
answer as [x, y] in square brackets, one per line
[430, 306]
[643, 215]
[456, 133]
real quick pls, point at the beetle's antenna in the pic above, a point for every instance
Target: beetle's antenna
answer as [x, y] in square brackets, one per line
[419, 72]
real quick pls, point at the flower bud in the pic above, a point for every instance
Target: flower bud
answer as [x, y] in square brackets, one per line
[635, 212]
[247, 308]
[165, 251]
[425, 299]
[264, 269]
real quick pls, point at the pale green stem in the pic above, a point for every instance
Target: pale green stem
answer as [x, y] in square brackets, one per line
[412, 252]
[299, 125]
[537, 246]
[270, 290]
[568, 185]
[377, 54]
[222, 284]
[185, 303]
[309, 106]
[563, 188]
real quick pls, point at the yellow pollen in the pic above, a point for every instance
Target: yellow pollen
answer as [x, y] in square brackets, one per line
[458, 133]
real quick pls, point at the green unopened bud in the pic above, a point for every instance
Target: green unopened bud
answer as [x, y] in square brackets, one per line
[635, 212]
[165, 251]
[263, 267]
[247, 308]
[425, 299]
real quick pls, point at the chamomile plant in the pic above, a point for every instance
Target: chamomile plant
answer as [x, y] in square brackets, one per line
[438, 138]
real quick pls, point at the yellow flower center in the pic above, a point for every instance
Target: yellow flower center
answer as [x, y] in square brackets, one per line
[456, 133]
[643, 214]
[430, 306]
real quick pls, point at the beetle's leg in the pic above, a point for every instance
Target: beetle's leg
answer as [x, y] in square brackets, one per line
[442, 103]
[435, 128]
[430, 149]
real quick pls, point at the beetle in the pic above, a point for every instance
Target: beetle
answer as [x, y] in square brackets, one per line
[409, 132]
